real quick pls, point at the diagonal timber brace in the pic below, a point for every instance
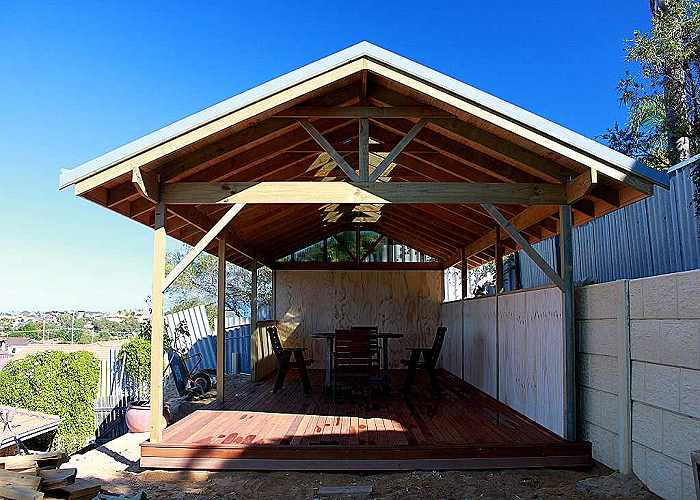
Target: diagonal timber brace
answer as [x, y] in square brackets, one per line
[527, 248]
[328, 148]
[202, 244]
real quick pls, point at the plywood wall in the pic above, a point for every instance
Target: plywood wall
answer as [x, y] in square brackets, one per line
[531, 355]
[513, 342]
[405, 302]
[451, 356]
[480, 365]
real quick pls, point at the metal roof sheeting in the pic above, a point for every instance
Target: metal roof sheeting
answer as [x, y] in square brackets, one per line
[25, 424]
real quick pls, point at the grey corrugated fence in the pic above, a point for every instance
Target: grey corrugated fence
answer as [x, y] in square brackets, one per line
[658, 235]
[199, 337]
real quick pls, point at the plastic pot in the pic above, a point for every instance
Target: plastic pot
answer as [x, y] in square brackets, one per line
[138, 416]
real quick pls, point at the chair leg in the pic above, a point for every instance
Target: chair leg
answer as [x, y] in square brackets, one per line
[411, 376]
[434, 383]
[430, 368]
[301, 365]
[281, 374]
[333, 384]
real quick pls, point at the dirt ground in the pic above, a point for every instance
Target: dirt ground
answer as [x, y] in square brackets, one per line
[116, 465]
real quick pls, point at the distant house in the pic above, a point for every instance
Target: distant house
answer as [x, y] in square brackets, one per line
[9, 347]
[10, 344]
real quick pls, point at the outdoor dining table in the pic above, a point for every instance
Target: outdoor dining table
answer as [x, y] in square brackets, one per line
[330, 337]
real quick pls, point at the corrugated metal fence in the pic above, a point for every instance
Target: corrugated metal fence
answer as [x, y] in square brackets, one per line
[196, 336]
[658, 235]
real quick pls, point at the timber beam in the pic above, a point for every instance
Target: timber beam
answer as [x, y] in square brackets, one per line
[525, 219]
[581, 186]
[396, 150]
[363, 112]
[362, 266]
[146, 184]
[380, 192]
[328, 148]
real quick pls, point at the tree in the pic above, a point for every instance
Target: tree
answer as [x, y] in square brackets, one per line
[198, 284]
[660, 89]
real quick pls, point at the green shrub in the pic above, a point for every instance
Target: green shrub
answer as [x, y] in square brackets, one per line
[136, 356]
[59, 383]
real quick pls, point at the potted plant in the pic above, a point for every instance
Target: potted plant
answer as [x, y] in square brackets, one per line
[135, 356]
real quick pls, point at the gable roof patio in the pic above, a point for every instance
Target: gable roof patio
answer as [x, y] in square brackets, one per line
[363, 138]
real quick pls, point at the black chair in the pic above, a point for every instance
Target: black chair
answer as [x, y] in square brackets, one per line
[284, 361]
[353, 360]
[430, 356]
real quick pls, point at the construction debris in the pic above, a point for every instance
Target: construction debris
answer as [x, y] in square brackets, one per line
[39, 476]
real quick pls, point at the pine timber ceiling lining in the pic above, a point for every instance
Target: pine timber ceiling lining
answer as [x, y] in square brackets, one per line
[452, 147]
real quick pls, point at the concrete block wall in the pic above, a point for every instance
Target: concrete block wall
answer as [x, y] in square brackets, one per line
[639, 377]
[665, 376]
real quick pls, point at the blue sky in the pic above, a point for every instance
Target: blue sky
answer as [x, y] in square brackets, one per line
[77, 80]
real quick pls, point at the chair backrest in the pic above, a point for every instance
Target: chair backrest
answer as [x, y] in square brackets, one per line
[437, 343]
[373, 341]
[364, 330]
[351, 350]
[275, 341]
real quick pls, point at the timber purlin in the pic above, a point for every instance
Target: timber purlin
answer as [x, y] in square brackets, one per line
[263, 431]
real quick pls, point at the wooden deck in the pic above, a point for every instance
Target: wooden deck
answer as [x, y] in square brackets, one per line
[286, 431]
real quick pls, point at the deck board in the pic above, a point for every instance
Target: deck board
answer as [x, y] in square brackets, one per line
[261, 430]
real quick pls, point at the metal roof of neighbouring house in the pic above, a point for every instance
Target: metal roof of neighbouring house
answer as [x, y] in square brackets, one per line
[257, 136]
[26, 424]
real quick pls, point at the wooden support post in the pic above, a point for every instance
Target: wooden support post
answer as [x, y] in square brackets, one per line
[221, 324]
[364, 149]
[465, 292]
[273, 313]
[465, 275]
[499, 261]
[567, 275]
[254, 297]
[157, 325]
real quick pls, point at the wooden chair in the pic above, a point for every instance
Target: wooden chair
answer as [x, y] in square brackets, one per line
[284, 361]
[430, 356]
[352, 359]
[374, 345]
